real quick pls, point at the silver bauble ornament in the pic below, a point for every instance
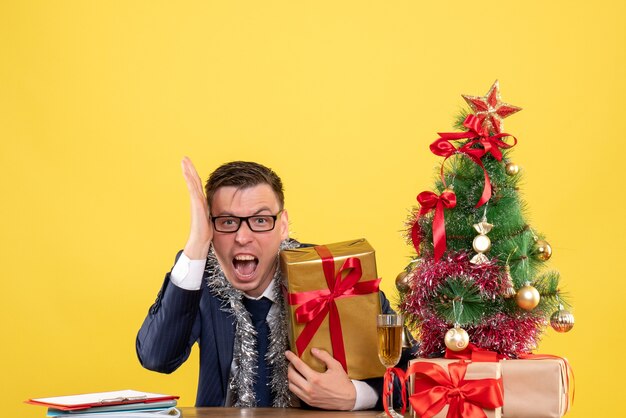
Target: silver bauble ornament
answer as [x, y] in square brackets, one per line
[562, 320]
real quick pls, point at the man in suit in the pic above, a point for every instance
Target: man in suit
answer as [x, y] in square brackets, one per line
[224, 293]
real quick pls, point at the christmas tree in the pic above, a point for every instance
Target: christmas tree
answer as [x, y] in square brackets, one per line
[479, 273]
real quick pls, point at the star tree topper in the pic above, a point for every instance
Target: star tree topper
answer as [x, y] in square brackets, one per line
[490, 110]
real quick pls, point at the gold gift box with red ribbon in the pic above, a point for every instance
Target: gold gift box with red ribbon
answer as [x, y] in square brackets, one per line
[454, 388]
[332, 298]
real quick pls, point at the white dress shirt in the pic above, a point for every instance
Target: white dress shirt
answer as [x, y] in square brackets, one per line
[187, 274]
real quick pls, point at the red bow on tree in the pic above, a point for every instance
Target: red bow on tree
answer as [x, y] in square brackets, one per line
[491, 144]
[480, 136]
[429, 201]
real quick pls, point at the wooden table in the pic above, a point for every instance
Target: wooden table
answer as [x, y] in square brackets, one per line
[270, 412]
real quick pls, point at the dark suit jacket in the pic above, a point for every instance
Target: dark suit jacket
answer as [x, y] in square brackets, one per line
[178, 319]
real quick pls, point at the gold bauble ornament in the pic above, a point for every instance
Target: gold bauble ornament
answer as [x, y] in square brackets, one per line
[527, 297]
[511, 169]
[402, 282]
[542, 250]
[562, 320]
[456, 338]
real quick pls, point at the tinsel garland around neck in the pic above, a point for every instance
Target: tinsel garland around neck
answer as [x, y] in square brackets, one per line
[245, 353]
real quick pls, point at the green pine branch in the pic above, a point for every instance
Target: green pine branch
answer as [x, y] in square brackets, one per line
[459, 300]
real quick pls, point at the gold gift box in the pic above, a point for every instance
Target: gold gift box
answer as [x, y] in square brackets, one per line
[535, 388]
[475, 371]
[302, 269]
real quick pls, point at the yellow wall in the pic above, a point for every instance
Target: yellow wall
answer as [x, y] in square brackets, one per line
[99, 101]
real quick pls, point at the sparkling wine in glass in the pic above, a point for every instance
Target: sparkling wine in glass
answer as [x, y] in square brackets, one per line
[389, 328]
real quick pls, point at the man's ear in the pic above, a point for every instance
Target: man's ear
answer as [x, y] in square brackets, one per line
[284, 225]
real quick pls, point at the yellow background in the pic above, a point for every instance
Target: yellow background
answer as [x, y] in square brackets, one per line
[99, 101]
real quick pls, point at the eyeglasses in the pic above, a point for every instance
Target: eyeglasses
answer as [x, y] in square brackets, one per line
[256, 223]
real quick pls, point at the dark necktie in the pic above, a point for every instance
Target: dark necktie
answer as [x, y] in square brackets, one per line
[258, 312]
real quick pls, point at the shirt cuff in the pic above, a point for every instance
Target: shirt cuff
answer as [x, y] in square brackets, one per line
[366, 396]
[187, 274]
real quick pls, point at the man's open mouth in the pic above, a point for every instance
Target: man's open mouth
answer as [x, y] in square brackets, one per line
[245, 265]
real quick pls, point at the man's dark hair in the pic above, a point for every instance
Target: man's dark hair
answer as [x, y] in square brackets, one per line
[244, 174]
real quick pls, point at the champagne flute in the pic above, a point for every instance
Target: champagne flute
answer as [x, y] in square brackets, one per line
[389, 328]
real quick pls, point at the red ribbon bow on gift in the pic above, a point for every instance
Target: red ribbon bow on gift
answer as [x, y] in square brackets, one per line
[429, 201]
[435, 388]
[480, 136]
[316, 304]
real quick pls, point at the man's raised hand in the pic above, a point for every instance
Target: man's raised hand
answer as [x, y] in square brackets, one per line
[201, 231]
